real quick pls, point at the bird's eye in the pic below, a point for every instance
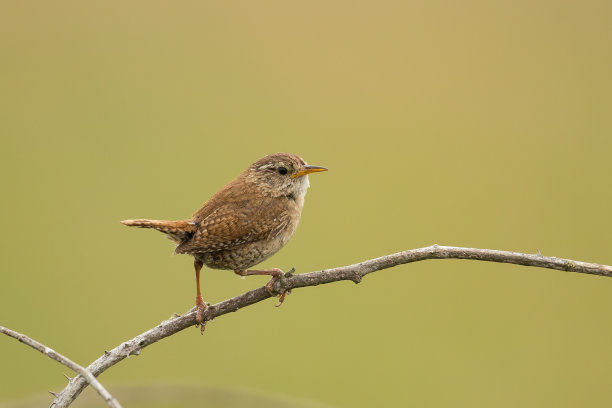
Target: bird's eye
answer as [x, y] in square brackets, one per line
[282, 170]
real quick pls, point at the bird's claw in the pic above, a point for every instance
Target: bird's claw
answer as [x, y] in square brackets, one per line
[281, 297]
[272, 282]
[200, 309]
[270, 285]
[202, 327]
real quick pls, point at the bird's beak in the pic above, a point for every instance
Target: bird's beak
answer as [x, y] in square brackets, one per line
[308, 169]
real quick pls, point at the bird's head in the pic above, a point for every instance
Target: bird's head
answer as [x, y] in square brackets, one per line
[281, 174]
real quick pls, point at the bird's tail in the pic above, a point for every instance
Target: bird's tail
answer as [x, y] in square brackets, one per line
[177, 231]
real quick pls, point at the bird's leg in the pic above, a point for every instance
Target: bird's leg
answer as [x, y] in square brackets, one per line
[274, 272]
[200, 305]
[276, 275]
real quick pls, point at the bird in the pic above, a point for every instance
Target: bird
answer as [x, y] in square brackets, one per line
[244, 223]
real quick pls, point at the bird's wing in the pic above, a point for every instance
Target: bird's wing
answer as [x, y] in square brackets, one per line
[234, 224]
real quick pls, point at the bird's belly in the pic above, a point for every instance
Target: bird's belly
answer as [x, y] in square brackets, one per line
[241, 257]
[245, 256]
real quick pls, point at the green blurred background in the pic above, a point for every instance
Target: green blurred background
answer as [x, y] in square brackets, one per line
[473, 123]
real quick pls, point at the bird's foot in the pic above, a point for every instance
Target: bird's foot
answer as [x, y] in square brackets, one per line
[277, 275]
[276, 278]
[200, 307]
[281, 297]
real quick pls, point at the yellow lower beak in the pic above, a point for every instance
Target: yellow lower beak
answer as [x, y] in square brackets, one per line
[308, 169]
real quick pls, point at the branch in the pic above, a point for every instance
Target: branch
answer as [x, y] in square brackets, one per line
[351, 272]
[110, 400]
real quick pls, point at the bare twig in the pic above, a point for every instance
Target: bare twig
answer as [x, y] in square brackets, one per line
[89, 378]
[351, 272]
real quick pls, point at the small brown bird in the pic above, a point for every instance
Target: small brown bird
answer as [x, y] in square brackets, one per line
[245, 222]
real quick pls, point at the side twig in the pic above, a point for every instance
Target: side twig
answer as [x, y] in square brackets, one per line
[351, 272]
[110, 400]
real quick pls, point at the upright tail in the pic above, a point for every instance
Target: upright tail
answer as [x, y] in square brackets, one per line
[177, 231]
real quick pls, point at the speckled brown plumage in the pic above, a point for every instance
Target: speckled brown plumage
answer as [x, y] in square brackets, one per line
[246, 221]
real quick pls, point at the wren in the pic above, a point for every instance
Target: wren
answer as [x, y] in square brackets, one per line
[245, 222]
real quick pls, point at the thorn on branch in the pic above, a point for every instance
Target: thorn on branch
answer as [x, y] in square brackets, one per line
[53, 393]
